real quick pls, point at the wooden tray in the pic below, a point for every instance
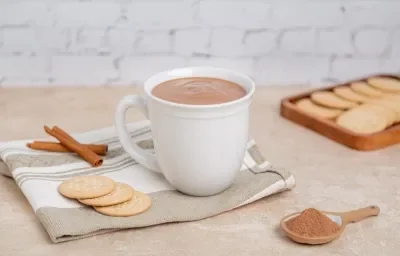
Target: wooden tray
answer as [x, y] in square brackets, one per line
[330, 129]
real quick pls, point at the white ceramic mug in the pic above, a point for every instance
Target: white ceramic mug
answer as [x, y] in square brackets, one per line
[198, 148]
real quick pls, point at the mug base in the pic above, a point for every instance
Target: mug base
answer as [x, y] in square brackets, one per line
[203, 193]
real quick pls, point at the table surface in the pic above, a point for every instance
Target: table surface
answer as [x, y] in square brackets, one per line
[329, 177]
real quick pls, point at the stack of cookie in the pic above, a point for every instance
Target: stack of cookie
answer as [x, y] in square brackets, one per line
[105, 196]
[363, 107]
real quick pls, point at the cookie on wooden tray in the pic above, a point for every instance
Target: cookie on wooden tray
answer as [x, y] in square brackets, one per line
[394, 96]
[366, 119]
[84, 187]
[139, 203]
[381, 110]
[308, 106]
[392, 102]
[348, 94]
[388, 84]
[365, 89]
[120, 194]
[329, 99]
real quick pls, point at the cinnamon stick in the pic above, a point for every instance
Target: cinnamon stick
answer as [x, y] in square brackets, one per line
[100, 149]
[75, 146]
[62, 132]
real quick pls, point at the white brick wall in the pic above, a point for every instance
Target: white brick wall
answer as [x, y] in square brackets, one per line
[307, 14]
[335, 41]
[136, 69]
[116, 42]
[88, 42]
[239, 14]
[91, 70]
[85, 14]
[153, 42]
[29, 67]
[343, 68]
[25, 12]
[151, 14]
[291, 69]
[244, 65]
[298, 40]
[371, 42]
[191, 41]
[19, 39]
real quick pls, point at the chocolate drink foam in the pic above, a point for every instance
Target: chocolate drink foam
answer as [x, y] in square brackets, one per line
[199, 91]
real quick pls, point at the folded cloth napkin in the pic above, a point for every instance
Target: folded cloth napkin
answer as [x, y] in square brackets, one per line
[39, 173]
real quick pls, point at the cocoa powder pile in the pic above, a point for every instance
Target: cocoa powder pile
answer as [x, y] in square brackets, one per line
[312, 223]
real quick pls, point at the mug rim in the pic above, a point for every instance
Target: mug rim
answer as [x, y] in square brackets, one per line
[248, 95]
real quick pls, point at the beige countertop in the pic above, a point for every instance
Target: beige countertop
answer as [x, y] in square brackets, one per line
[329, 176]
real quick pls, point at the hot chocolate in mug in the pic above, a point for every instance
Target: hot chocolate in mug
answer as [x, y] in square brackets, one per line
[198, 148]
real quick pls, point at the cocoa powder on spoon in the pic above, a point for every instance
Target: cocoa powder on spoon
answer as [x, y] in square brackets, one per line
[312, 223]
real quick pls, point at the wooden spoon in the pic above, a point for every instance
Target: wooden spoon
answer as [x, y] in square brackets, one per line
[341, 218]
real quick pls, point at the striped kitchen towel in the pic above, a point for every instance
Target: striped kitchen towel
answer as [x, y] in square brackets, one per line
[38, 174]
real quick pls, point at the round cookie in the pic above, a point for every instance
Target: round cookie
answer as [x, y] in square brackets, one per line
[393, 97]
[120, 194]
[389, 102]
[365, 89]
[360, 121]
[388, 84]
[308, 106]
[346, 93]
[83, 187]
[367, 118]
[139, 203]
[381, 110]
[329, 99]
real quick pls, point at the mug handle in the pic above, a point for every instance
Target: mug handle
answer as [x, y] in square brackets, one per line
[144, 158]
